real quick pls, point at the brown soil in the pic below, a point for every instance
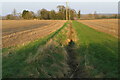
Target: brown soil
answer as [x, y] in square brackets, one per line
[19, 32]
[109, 26]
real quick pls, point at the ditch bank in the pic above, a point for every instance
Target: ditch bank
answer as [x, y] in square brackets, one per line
[75, 70]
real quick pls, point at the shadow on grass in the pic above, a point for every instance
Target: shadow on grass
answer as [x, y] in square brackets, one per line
[93, 60]
[98, 61]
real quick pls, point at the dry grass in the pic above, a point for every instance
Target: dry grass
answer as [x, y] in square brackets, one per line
[17, 32]
[71, 35]
[105, 25]
[51, 61]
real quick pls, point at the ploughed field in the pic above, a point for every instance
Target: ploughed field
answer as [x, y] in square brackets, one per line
[105, 25]
[16, 32]
[75, 50]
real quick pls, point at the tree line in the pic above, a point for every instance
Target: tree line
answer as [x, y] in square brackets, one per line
[44, 14]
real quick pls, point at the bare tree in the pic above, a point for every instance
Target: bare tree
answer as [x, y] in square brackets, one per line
[14, 12]
[96, 16]
[79, 14]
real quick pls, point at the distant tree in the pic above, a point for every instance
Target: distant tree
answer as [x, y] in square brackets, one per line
[59, 16]
[104, 17]
[14, 12]
[118, 16]
[62, 12]
[72, 14]
[0, 17]
[90, 16]
[44, 14]
[19, 15]
[52, 15]
[61, 8]
[114, 16]
[24, 14]
[33, 15]
[38, 14]
[27, 14]
[96, 16]
[10, 17]
[79, 14]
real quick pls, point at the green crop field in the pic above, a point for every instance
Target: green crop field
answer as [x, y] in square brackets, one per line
[74, 50]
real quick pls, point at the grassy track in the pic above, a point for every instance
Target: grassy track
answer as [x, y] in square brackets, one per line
[97, 52]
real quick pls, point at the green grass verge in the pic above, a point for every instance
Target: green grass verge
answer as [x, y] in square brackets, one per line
[15, 65]
[98, 52]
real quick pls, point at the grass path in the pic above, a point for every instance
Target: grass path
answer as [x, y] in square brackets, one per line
[97, 51]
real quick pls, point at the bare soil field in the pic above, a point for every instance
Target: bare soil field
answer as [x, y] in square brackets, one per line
[15, 32]
[105, 25]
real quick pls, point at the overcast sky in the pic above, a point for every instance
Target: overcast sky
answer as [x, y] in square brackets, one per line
[86, 6]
